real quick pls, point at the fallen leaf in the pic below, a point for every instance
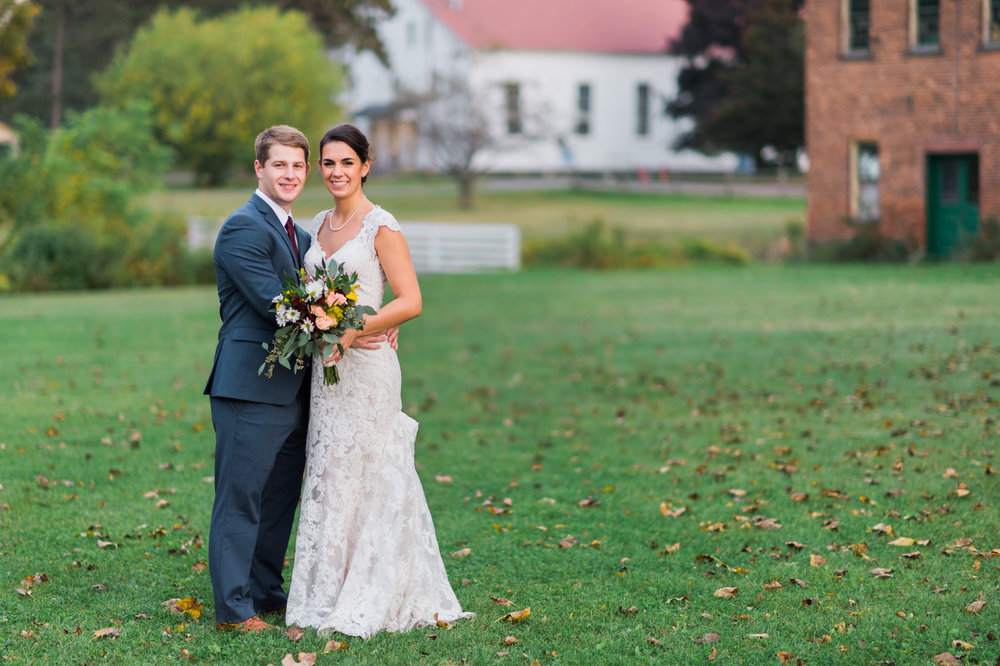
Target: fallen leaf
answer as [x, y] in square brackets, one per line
[516, 615]
[333, 646]
[500, 601]
[882, 528]
[911, 556]
[442, 478]
[108, 632]
[962, 644]
[757, 636]
[708, 638]
[509, 640]
[631, 610]
[817, 560]
[462, 553]
[975, 607]
[798, 581]
[902, 541]
[946, 658]
[294, 633]
[187, 605]
[880, 572]
[726, 592]
[304, 659]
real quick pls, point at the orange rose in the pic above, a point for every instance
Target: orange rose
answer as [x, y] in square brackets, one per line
[324, 322]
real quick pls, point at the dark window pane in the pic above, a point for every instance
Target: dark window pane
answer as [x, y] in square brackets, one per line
[642, 120]
[993, 33]
[928, 15]
[949, 180]
[858, 37]
[973, 177]
[512, 93]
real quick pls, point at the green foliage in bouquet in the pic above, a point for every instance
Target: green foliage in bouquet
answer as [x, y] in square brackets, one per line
[313, 312]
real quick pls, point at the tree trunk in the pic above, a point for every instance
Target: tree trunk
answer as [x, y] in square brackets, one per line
[465, 190]
[57, 57]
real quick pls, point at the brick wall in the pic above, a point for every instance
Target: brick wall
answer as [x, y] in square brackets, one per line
[910, 104]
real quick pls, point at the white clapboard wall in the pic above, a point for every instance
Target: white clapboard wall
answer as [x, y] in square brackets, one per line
[454, 247]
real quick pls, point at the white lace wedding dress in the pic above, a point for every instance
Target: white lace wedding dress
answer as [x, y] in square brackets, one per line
[366, 555]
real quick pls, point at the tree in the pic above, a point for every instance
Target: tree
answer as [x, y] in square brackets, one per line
[743, 84]
[458, 124]
[72, 41]
[16, 17]
[215, 84]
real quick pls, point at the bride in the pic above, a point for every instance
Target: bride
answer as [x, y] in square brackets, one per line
[366, 555]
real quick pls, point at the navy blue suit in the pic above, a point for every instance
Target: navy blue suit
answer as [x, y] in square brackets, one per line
[260, 423]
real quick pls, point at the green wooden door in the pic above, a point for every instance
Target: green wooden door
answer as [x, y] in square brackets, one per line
[952, 203]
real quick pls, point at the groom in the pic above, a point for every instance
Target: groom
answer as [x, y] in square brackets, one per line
[260, 424]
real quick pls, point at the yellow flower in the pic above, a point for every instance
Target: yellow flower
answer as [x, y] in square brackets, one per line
[353, 296]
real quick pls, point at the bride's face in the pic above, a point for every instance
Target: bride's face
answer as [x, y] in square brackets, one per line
[342, 169]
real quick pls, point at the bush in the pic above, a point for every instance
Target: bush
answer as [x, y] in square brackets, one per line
[868, 244]
[68, 212]
[594, 248]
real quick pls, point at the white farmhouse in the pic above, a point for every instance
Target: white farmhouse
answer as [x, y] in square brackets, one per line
[569, 85]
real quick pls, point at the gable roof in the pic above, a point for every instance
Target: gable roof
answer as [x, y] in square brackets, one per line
[602, 26]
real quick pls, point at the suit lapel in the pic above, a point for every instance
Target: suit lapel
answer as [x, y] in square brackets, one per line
[277, 225]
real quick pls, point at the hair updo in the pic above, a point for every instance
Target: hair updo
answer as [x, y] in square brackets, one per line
[353, 137]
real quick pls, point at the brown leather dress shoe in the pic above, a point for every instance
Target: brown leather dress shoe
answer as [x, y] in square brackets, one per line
[250, 624]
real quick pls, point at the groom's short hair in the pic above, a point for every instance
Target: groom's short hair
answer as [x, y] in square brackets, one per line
[283, 134]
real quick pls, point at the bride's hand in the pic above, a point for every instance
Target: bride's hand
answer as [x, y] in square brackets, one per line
[346, 340]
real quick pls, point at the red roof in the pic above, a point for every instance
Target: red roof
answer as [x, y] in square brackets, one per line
[604, 26]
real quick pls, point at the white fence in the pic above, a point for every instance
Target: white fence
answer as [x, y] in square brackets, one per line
[435, 247]
[442, 247]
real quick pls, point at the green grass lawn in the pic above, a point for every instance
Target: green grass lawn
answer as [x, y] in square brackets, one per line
[543, 213]
[665, 467]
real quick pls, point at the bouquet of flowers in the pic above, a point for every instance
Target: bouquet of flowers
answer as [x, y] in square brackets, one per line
[313, 312]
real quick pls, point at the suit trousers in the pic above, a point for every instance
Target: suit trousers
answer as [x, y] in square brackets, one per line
[259, 459]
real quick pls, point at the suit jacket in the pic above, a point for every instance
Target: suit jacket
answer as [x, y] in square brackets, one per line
[252, 254]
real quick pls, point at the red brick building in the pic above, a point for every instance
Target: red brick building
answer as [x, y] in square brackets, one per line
[903, 119]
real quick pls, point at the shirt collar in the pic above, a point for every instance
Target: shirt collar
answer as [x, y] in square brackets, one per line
[280, 212]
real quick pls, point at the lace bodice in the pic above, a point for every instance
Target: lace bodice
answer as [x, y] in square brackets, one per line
[358, 254]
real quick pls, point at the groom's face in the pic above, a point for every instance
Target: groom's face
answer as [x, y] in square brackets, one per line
[283, 175]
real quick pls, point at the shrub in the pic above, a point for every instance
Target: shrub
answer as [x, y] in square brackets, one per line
[595, 248]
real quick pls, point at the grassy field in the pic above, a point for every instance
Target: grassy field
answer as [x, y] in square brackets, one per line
[757, 465]
[541, 213]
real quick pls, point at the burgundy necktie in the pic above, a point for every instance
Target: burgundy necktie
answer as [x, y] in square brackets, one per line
[290, 228]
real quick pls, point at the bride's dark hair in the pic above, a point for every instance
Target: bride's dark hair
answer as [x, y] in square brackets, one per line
[353, 137]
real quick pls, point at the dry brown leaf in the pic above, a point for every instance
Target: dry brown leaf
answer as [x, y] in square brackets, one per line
[883, 528]
[881, 572]
[294, 633]
[962, 644]
[817, 560]
[516, 615]
[108, 632]
[631, 610]
[785, 657]
[726, 592]
[773, 585]
[795, 545]
[462, 553]
[946, 658]
[708, 638]
[950, 473]
[975, 606]
[653, 641]
[199, 566]
[333, 646]
[509, 640]
[304, 659]
[500, 601]
[798, 581]
[902, 541]
[757, 635]
[442, 478]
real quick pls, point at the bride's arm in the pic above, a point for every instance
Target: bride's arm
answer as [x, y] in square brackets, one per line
[394, 255]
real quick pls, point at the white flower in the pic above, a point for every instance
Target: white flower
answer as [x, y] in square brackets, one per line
[307, 326]
[278, 299]
[286, 315]
[315, 289]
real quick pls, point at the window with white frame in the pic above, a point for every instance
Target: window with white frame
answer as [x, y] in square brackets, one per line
[925, 25]
[642, 109]
[856, 19]
[512, 107]
[866, 173]
[582, 109]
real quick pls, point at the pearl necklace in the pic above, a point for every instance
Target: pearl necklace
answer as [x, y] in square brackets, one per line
[330, 223]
